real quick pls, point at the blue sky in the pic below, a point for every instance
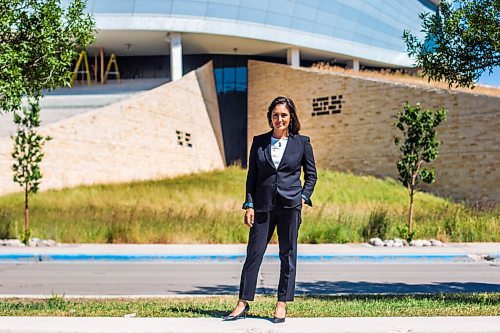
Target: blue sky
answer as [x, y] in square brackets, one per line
[491, 80]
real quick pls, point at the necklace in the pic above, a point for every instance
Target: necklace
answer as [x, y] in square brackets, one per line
[278, 142]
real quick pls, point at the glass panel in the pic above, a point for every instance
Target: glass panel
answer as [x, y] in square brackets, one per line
[251, 15]
[311, 3]
[343, 23]
[323, 29]
[114, 6]
[302, 25]
[229, 79]
[281, 7]
[305, 12]
[279, 20]
[257, 4]
[218, 79]
[184, 7]
[349, 13]
[325, 18]
[153, 6]
[330, 6]
[223, 11]
[343, 33]
[241, 79]
[225, 2]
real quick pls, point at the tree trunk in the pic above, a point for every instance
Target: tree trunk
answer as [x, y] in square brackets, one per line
[410, 213]
[26, 215]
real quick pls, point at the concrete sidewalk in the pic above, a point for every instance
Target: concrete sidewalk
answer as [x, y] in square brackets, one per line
[253, 325]
[340, 252]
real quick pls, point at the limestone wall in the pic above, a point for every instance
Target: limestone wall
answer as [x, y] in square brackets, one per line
[359, 139]
[134, 139]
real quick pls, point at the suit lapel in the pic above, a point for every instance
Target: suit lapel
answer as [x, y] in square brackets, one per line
[291, 142]
[267, 149]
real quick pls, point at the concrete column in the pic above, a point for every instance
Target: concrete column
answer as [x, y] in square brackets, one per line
[293, 57]
[175, 55]
[353, 64]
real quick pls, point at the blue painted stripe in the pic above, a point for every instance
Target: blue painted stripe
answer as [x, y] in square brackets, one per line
[238, 257]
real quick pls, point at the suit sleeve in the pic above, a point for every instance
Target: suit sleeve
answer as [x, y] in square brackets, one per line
[251, 176]
[310, 174]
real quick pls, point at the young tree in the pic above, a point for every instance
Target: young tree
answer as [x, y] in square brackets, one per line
[419, 146]
[462, 40]
[38, 41]
[27, 156]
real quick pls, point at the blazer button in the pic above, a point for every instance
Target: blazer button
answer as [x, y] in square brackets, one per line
[275, 185]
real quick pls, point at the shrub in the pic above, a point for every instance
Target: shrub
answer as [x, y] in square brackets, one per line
[378, 224]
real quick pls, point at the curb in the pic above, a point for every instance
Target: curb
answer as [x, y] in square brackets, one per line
[34, 257]
[485, 324]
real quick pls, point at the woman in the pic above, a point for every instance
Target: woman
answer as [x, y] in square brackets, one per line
[274, 198]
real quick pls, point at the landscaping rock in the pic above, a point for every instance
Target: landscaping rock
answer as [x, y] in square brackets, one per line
[399, 242]
[11, 242]
[34, 242]
[417, 242]
[49, 242]
[376, 241]
[389, 243]
[436, 242]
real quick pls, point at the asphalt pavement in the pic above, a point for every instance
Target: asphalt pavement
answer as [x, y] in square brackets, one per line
[477, 255]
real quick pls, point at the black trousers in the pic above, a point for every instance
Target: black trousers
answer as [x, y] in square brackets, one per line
[287, 221]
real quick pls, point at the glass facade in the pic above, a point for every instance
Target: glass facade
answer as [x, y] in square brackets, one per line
[376, 23]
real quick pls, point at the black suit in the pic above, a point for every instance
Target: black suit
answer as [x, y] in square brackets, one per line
[265, 182]
[276, 195]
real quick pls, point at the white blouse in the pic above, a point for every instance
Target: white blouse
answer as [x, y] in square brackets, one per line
[277, 149]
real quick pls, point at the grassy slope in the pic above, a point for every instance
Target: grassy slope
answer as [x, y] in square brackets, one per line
[206, 208]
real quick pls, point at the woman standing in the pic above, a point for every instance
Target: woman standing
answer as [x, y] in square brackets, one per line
[274, 198]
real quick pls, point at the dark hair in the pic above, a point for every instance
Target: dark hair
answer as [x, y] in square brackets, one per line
[294, 126]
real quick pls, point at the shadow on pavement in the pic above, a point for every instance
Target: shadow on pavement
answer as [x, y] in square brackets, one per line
[346, 287]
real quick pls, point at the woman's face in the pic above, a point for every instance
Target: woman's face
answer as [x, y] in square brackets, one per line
[280, 117]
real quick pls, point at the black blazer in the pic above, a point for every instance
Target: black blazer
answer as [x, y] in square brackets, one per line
[265, 182]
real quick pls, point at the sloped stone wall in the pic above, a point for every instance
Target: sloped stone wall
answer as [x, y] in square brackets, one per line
[358, 136]
[160, 133]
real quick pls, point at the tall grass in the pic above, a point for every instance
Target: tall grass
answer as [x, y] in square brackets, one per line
[206, 208]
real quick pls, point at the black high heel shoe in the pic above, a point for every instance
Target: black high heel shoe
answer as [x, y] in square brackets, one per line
[243, 314]
[277, 320]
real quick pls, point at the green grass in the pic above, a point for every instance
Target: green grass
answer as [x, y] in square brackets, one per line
[452, 304]
[206, 208]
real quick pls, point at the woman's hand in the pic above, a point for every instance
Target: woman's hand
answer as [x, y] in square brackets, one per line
[249, 215]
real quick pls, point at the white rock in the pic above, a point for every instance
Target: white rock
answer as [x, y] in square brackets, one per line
[436, 242]
[398, 243]
[376, 241]
[389, 243]
[417, 242]
[34, 242]
[11, 242]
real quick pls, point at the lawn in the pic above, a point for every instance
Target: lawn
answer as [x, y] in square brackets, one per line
[447, 304]
[206, 208]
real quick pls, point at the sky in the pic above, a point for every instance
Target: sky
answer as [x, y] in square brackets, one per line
[491, 80]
